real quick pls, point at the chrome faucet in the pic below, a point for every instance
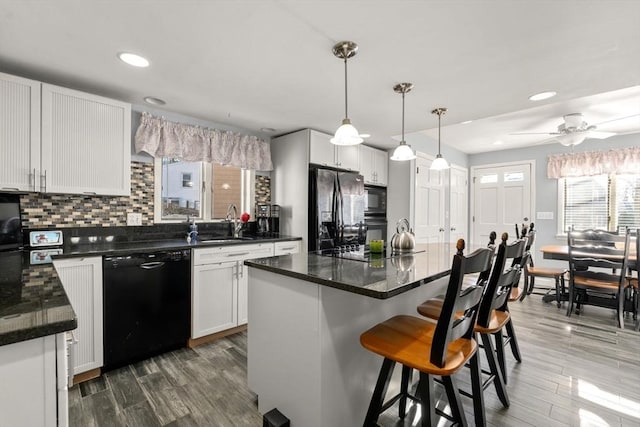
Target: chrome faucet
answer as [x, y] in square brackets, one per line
[236, 221]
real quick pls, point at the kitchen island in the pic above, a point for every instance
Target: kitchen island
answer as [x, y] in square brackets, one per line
[306, 314]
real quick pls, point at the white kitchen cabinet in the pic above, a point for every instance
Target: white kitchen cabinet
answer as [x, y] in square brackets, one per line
[19, 133]
[220, 286]
[323, 152]
[58, 140]
[33, 390]
[373, 165]
[86, 143]
[287, 248]
[82, 281]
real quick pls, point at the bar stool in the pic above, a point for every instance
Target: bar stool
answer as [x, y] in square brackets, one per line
[440, 349]
[493, 315]
[531, 272]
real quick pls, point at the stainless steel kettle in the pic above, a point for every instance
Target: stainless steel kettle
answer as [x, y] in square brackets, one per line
[403, 240]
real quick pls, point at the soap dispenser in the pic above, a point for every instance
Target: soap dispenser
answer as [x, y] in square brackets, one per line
[193, 231]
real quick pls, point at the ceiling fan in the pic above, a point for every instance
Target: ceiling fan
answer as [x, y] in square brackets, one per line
[573, 131]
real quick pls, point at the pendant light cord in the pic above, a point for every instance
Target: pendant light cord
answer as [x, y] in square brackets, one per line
[402, 142]
[439, 117]
[346, 110]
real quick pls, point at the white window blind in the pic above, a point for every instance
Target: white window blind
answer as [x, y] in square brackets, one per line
[609, 202]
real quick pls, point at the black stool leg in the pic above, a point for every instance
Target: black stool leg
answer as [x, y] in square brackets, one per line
[476, 389]
[453, 395]
[500, 354]
[425, 391]
[404, 390]
[498, 380]
[558, 291]
[515, 349]
[377, 400]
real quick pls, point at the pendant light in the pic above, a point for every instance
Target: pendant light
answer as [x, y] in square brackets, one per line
[439, 163]
[346, 133]
[403, 151]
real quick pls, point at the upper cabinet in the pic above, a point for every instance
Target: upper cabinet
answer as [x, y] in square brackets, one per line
[86, 143]
[323, 152]
[58, 140]
[373, 165]
[19, 133]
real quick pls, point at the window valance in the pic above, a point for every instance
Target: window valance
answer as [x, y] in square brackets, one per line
[163, 138]
[619, 161]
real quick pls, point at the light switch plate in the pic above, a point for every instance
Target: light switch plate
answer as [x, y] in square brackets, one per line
[544, 215]
[134, 218]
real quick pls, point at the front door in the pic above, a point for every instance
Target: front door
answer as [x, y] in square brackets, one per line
[458, 209]
[501, 199]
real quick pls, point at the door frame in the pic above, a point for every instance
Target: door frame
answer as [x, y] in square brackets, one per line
[472, 204]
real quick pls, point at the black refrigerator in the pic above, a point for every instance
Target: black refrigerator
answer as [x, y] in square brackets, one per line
[336, 209]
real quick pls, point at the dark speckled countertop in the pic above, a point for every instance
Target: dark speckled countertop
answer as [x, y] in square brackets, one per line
[380, 277]
[33, 302]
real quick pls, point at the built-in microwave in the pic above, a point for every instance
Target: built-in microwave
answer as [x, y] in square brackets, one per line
[376, 228]
[375, 201]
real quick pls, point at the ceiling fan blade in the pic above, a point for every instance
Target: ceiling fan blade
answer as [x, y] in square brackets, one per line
[535, 133]
[615, 120]
[600, 135]
[547, 140]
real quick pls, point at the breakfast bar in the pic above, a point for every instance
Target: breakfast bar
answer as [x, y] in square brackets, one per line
[307, 312]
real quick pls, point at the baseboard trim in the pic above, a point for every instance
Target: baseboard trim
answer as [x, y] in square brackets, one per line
[86, 376]
[194, 342]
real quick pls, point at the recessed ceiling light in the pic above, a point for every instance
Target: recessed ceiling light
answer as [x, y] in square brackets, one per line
[498, 142]
[466, 122]
[542, 95]
[133, 59]
[154, 101]
[267, 130]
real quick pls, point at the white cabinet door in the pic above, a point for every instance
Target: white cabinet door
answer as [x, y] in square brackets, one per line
[82, 281]
[19, 133]
[28, 391]
[380, 166]
[321, 150]
[260, 250]
[347, 157]
[214, 298]
[286, 248]
[86, 143]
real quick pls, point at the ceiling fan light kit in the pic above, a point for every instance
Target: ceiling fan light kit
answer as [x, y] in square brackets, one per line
[403, 151]
[346, 134]
[439, 163]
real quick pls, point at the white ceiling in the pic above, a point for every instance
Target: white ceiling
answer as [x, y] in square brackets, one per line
[268, 63]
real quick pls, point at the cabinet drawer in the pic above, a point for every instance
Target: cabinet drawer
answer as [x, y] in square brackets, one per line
[285, 248]
[218, 254]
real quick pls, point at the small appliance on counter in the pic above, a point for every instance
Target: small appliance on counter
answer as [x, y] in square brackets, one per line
[268, 219]
[43, 244]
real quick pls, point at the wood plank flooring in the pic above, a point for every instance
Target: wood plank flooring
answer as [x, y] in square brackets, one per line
[577, 371]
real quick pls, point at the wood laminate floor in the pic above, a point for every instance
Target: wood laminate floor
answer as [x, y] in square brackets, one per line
[577, 371]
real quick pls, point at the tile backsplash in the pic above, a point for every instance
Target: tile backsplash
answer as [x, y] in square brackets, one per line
[41, 210]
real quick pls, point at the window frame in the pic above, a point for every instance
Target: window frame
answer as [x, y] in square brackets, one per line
[206, 201]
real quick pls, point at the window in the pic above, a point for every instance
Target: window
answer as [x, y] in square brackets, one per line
[199, 190]
[609, 202]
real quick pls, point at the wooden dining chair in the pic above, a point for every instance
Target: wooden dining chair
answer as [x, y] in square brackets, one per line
[434, 349]
[597, 268]
[632, 289]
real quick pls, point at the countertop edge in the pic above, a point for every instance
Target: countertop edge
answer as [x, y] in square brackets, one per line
[13, 337]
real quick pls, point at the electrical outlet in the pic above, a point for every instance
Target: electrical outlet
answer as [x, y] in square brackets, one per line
[134, 218]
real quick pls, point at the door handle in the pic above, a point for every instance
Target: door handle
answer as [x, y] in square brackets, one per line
[152, 265]
[453, 229]
[441, 230]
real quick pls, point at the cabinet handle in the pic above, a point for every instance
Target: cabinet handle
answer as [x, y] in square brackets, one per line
[90, 193]
[239, 269]
[11, 188]
[289, 248]
[43, 178]
[238, 254]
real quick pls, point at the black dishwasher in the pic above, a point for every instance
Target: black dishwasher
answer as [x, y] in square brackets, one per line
[147, 300]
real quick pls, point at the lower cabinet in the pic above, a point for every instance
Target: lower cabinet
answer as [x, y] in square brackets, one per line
[82, 281]
[33, 390]
[220, 286]
[287, 248]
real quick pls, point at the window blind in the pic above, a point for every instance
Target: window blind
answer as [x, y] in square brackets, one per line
[586, 201]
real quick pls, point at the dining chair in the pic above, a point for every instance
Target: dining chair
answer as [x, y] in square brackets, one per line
[632, 281]
[522, 262]
[597, 269]
[531, 272]
[439, 348]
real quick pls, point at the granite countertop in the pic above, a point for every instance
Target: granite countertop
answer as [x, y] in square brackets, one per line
[33, 302]
[381, 277]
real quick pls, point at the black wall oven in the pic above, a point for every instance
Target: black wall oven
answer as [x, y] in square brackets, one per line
[375, 202]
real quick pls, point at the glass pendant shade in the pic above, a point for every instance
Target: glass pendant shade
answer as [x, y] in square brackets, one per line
[346, 134]
[439, 163]
[403, 152]
[572, 139]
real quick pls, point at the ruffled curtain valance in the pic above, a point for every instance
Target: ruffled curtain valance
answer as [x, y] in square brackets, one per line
[620, 161]
[162, 138]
